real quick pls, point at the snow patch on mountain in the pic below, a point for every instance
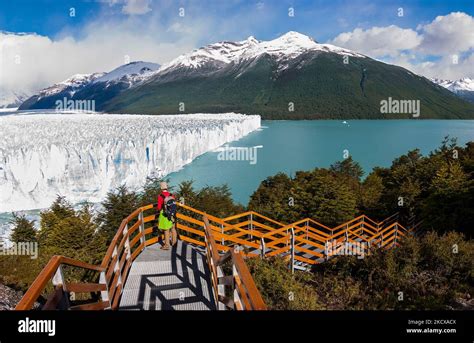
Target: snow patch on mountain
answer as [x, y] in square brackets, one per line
[285, 47]
[137, 70]
[70, 85]
[11, 98]
[464, 84]
[83, 156]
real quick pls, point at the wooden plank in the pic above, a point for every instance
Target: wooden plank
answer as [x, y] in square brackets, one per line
[110, 269]
[304, 259]
[189, 219]
[237, 216]
[190, 229]
[192, 240]
[278, 251]
[135, 239]
[91, 307]
[39, 284]
[254, 295]
[138, 251]
[85, 287]
[305, 241]
[151, 241]
[267, 219]
[148, 219]
[310, 252]
[281, 240]
[243, 242]
[118, 294]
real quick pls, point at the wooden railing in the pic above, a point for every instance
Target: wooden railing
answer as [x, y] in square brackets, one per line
[243, 294]
[250, 234]
[64, 293]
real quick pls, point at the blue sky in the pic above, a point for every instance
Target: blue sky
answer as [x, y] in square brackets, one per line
[321, 19]
[104, 34]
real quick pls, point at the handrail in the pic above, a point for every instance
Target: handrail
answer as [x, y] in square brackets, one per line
[47, 273]
[248, 234]
[245, 293]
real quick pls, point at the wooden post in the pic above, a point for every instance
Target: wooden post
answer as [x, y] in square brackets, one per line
[142, 229]
[396, 235]
[117, 266]
[237, 302]
[127, 242]
[222, 231]
[326, 255]
[292, 260]
[251, 226]
[104, 295]
[59, 282]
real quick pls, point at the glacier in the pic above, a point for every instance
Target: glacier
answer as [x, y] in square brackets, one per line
[83, 156]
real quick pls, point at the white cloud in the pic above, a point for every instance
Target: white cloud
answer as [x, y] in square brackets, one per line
[379, 41]
[442, 69]
[445, 36]
[136, 7]
[30, 62]
[449, 34]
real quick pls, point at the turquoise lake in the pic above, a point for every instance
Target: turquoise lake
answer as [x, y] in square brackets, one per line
[289, 146]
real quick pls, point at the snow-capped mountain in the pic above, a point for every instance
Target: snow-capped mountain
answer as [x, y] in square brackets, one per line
[463, 87]
[97, 86]
[132, 72]
[286, 47]
[12, 99]
[263, 77]
[69, 86]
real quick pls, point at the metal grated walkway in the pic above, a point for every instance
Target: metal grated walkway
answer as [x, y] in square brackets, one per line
[177, 279]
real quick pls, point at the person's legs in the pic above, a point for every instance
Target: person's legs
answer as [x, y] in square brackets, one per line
[174, 235]
[166, 244]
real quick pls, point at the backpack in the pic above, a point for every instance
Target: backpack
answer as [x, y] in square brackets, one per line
[169, 206]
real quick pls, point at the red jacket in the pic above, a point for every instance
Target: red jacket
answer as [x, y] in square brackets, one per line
[161, 198]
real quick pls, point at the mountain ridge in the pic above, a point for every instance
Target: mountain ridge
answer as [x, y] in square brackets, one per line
[290, 77]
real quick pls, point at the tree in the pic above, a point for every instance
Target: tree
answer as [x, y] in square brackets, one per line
[214, 200]
[319, 194]
[75, 236]
[60, 209]
[23, 229]
[118, 205]
[274, 198]
[370, 194]
[348, 167]
[450, 204]
[323, 196]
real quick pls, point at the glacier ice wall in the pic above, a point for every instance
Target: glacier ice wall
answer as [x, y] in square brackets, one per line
[83, 156]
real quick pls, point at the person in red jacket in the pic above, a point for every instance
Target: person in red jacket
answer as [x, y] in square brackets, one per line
[167, 216]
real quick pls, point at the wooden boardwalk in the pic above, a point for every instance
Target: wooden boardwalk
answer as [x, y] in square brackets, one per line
[177, 279]
[206, 270]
